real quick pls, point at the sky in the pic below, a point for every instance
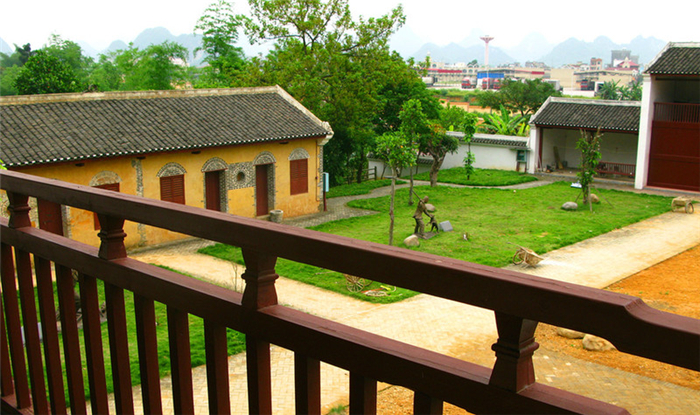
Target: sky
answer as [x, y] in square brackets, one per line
[99, 22]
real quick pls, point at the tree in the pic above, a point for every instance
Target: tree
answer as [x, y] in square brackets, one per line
[526, 97]
[438, 144]
[105, 75]
[414, 124]
[71, 54]
[397, 151]
[589, 144]
[456, 119]
[45, 74]
[219, 26]
[503, 123]
[334, 65]
[633, 92]
[158, 67]
[610, 90]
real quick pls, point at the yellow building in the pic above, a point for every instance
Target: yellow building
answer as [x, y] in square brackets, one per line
[244, 151]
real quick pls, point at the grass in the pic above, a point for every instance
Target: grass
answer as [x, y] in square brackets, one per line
[309, 274]
[236, 341]
[480, 177]
[496, 221]
[355, 189]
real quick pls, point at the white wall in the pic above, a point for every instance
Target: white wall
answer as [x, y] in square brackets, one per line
[615, 147]
[485, 157]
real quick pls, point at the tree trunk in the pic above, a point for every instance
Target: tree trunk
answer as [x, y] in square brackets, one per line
[434, 169]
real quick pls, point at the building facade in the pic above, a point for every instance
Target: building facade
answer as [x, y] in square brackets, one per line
[239, 151]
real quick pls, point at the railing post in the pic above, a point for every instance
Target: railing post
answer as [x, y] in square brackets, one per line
[363, 395]
[514, 370]
[19, 210]
[307, 385]
[259, 292]
[112, 247]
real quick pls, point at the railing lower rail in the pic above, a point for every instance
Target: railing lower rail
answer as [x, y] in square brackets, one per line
[519, 302]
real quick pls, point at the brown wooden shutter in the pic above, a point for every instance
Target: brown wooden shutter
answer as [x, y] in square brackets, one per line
[172, 189]
[299, 176]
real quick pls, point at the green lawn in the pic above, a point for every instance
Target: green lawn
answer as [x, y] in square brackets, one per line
[480, 177]
[496, 221]
[356, 189]
[236, 341]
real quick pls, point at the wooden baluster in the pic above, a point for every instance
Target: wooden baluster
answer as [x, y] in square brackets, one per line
[259, 292]
[65, 286]
[16, 349]
[144, 310]
[6, 385]
[92, 332]
[25, 282]
[180, 361]
[424, 404]
[19, 211]
[112, 247]
[514, 370]
[363, 395]
[217, 368]
[52, 355]
[307, 385]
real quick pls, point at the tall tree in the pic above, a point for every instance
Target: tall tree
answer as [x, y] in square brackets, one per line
[396, 150]
[331, 63]
[414, 124]
[45, 74]
[158, 67]
[516, 96]
[219, 26]
[438, 144]
[71, 54]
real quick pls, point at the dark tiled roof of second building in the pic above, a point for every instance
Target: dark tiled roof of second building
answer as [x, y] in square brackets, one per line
[41, 131]
[589, 114]
[677, 59]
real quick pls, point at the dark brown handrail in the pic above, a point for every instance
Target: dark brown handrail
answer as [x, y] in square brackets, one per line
[519, 301]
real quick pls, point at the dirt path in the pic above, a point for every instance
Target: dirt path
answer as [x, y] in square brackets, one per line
[672, 286]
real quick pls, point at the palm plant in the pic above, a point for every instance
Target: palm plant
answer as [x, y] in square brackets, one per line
[504, 123]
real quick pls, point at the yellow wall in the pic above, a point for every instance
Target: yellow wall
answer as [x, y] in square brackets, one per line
[139, 176]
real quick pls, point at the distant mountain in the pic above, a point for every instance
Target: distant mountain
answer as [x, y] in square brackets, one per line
[532, 46]
[5, 48]
[454, 53]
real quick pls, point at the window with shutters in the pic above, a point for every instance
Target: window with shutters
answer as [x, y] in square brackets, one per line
[110, 186]
[172, 189]
[299, 176]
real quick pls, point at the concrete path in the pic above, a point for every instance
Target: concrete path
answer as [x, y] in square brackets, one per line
[456, 329]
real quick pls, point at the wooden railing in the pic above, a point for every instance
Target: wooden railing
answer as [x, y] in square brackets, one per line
[681, 113]
[367, 174]
[620, 169]
[36, 384]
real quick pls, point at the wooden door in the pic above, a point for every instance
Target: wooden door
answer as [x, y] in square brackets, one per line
[261, 190]
[212, 184]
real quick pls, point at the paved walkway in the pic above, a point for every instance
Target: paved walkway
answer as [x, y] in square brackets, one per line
[446, 326]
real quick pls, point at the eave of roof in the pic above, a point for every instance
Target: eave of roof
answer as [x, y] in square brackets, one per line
[676, 58]
[74, 127]
[589, 114]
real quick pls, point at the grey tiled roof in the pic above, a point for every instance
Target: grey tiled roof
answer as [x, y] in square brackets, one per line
[589, 114]
[72, 127]
[493, 139]
[676, 59]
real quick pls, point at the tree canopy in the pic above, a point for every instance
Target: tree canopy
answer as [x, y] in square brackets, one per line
[45, 74]
[516, 96]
